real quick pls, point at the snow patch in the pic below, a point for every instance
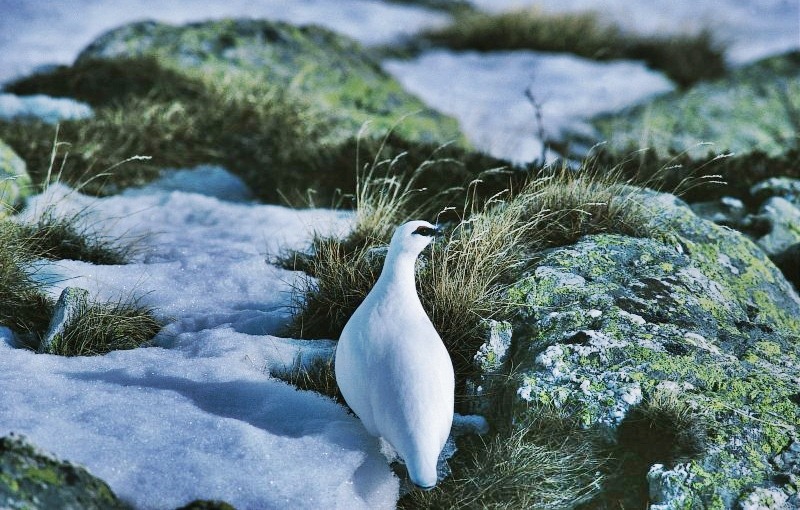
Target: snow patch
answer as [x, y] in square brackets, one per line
[49, 109]
[486, 92]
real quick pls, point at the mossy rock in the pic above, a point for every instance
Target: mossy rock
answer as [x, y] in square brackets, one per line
[15, 183]
[756, 107]
[331, 72]
[30, 479]
[612, 322]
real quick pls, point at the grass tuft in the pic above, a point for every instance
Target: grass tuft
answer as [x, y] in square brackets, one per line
[319, 376]
[185, 119]
[564, 205]
[665, 428]
[100, 328]
[56, 238]
[535, 466]
[24, 306]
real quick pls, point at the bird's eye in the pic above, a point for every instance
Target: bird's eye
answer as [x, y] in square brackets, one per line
[425, 231]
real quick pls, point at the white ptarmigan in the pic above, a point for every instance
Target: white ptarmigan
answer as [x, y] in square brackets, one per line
[391, 365]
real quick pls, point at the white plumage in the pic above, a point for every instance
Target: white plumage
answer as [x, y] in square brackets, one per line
[391, 365]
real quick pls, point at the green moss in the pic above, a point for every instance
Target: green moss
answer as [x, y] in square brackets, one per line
[753, 108]
[32, 479]
[329, 71]
[42, 475]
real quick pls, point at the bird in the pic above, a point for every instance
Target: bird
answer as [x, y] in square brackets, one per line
[391, 365]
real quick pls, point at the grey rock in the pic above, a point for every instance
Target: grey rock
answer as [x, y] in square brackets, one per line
[785, 220]
[71, 303]
[784, 187]
[727, 211]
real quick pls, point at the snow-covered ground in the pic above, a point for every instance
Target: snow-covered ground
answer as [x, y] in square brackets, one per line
[750, 29]
[49, 109]
[486, 93]
[199, 416]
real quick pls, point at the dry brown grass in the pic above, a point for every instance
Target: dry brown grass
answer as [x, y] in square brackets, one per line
[528, 468]
[100, 328]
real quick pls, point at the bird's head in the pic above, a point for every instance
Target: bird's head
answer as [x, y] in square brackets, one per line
[412, 237]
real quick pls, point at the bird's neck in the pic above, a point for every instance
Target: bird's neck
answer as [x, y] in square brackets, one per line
[398, 272]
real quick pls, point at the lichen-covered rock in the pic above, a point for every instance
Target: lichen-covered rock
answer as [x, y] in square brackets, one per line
[33, 480]
[15, 183]
[489, 362]
[331, 72]
[612, 321]
[755, 107]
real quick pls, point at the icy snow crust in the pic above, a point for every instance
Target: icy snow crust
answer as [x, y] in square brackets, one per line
[199, 416]
[486, 93]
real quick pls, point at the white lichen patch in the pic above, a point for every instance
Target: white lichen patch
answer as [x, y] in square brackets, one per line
[670, 489]
[765, 499]
[564, 379]
[560, 277]
[700, 342]
[725, 261]
[632, 317]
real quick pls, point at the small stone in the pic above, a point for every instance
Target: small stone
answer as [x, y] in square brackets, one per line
[30, 478]
[785, 219]
[71, 302]
[493, 353]
[669, 488]
[783, 187]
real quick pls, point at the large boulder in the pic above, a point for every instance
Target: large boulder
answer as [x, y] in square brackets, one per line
[330, 71]
[754, 108]
[15, 183]
[31, 479]
[683, 349]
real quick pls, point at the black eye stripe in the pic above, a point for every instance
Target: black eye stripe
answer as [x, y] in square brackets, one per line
[425, 231]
